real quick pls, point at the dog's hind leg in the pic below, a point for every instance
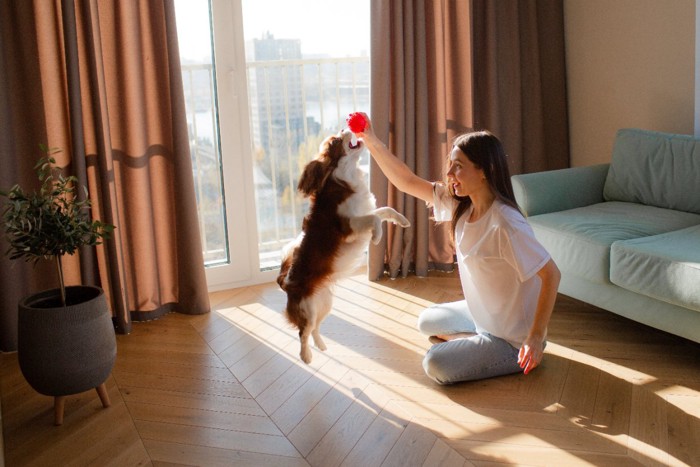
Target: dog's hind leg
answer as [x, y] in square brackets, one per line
[318, 340]
[324, 303]
[305, 352]
[315, 309]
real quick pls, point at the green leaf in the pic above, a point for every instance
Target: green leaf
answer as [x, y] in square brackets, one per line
[52, 221]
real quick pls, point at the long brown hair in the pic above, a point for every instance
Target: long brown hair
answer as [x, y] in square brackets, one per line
[486, 152]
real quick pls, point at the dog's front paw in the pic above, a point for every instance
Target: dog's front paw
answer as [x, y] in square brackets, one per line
[377, 230]
[401, 220]
[392, 215]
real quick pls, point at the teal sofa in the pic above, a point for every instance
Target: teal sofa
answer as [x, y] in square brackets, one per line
[626, 235]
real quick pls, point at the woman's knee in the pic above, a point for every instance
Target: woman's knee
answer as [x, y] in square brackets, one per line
[433, 320]
[424, 323]
[470, 359]
[437, 366]
[445, 318]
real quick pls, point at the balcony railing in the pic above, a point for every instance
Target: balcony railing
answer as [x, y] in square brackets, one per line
[293, 106]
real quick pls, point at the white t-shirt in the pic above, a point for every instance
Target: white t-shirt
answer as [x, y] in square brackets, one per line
[498, 258]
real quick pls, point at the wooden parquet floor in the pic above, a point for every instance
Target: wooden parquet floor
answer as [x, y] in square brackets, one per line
[228, 388]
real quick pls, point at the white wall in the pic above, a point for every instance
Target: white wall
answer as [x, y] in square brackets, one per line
[630, 64]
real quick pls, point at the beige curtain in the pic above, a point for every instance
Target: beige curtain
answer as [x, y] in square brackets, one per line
[442, 67]
[421, 99]
[101, 80]
[520, 80]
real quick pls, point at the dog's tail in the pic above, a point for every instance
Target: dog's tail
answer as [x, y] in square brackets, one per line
[282, 276]
[295, 314]
[293, 311]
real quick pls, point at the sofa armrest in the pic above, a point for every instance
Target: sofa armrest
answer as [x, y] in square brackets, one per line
[558, 190]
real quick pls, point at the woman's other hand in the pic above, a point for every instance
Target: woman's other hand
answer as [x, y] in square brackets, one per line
[531, 353]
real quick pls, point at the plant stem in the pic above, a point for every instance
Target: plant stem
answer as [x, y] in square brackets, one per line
[60, 279]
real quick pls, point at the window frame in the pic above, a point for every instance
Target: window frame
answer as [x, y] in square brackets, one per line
[236, 152]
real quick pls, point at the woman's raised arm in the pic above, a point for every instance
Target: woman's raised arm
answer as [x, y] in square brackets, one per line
[395, 170]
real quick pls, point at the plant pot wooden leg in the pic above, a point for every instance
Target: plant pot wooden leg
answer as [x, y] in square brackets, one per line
[102, 392]
[59, 402]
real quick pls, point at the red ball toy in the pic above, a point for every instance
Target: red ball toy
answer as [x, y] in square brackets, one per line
[356, 122]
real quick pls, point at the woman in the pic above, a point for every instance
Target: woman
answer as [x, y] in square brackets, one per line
[509, 280]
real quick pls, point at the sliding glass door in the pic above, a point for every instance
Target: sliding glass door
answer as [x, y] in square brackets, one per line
[262, 91]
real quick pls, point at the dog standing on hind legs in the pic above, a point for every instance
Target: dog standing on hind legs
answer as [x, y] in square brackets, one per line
[343, 218]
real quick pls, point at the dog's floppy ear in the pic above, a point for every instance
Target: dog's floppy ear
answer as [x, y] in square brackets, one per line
[334, 150]
[312, 178]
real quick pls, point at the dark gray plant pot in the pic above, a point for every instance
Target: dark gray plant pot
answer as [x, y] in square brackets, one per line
[66, 350]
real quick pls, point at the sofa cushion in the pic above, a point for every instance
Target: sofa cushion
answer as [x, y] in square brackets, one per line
[665, 267]
[579, 239]
[657, 169]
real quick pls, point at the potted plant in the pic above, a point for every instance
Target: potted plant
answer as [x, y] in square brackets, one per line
[65, 337]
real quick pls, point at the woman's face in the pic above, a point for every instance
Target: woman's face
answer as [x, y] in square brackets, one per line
[463, 175]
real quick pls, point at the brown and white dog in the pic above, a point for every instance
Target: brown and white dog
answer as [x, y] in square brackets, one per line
[342, 219]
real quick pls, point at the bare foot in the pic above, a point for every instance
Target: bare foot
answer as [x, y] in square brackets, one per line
[459, 335]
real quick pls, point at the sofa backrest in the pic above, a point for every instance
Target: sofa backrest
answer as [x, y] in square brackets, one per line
[656, 169]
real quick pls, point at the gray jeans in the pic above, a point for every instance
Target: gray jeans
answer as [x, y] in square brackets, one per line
[477, 357]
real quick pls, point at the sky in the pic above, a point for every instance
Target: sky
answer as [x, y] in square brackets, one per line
[334, 27]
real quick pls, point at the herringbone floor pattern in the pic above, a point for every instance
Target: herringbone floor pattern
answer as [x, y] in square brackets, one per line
[228, 388]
